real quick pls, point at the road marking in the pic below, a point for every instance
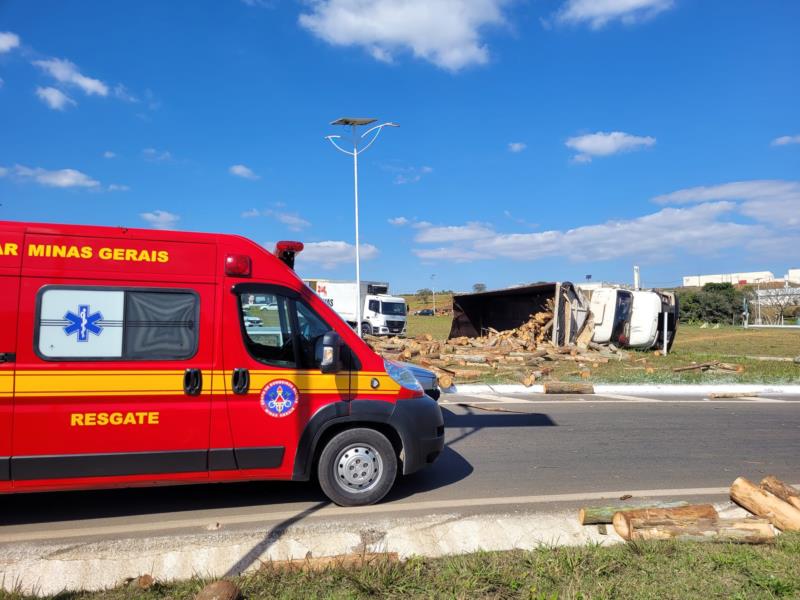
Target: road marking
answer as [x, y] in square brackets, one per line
[603, 399]
[626, 398]
[87, 529]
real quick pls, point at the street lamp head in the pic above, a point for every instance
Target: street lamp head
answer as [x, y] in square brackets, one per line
[353, 121]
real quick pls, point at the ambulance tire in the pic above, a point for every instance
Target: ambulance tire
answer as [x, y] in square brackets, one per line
[340, 467]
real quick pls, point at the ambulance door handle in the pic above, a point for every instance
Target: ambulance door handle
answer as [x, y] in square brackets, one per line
[240, 381]
[193, 382]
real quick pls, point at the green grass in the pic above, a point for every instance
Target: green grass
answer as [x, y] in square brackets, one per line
[653, 570]
[438, 326]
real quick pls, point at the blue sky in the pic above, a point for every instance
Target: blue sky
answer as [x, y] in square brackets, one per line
[539, 139]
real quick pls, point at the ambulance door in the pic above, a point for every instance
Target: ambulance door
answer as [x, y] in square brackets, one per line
[114, 381]
[273, 381]
[10, 244]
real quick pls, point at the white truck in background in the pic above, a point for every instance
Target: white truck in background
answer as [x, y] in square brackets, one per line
[381, 314]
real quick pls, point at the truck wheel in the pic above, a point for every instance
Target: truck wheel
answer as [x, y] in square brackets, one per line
[357, 467]
[366, 329]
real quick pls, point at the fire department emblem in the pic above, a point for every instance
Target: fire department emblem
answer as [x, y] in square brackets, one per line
[279, 398]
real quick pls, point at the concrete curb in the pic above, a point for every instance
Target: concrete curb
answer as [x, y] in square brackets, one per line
[53, 567]
[666, 389]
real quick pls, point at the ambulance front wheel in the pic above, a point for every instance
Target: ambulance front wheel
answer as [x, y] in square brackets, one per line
[357, 467]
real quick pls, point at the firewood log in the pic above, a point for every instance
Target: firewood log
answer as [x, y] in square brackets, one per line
[765, 504]
[783, 491]
[622, 519]
[592, 515]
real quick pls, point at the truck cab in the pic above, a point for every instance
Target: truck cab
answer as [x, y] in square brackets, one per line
[384, 315]
[136, 358]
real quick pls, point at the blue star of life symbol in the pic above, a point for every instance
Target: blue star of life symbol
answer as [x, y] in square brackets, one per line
[83, 323]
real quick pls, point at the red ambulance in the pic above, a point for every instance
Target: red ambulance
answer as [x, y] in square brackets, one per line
[132, 357]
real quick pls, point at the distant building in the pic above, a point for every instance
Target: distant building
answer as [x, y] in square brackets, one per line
[735, 278]
[793, 275]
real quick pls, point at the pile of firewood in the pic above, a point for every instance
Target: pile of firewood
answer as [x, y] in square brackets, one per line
[522, 353]
[773, 504]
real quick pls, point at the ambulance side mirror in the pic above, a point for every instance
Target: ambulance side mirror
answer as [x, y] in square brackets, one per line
[330, 361]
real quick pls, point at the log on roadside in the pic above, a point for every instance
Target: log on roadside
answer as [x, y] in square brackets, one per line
[765, 504]
[595, 515]
[782, 490]
[622, 520]
[737, 531]
[698, 366]
[561, 387]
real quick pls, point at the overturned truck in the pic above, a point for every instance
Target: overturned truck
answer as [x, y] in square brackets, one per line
[607, 315]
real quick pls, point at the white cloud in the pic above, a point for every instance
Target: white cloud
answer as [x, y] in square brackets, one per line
[67, 72]
[153, 155]
[771, 201]
[293, 221]
[598, 13]
[3, 171]
[454, 233]
[60, 178]
[160, 219]
[121, 92]
[399, 221]
[243, 172]
[331, 254]
[606, 144]
[118, 187]
[785, 140]
[54, 98]
[406, 175]
[757, 217]
[109, 154]
[446, 33]
[8, 41]
[516, 147]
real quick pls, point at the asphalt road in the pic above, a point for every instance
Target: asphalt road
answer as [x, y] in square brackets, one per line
[502, 452]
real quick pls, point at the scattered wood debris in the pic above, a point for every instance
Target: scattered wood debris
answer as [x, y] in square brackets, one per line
[522, 353]
[714, 365]
[774, 503]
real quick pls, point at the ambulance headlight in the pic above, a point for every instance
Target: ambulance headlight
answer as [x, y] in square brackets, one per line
[402, 376]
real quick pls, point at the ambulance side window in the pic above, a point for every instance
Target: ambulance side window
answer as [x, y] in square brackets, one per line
[267, 326]
[311, 329]
[116, 324]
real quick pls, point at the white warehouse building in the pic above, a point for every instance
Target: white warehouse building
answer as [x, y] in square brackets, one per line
[735, 278]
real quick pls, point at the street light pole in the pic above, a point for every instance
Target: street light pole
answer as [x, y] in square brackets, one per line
[354, 123]
[433, 290]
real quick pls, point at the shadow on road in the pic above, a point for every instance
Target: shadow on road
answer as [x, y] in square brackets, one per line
[473, 421]
[19, 509]
[449, 468]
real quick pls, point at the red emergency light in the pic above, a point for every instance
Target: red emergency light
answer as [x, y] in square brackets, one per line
[286, 250]
[238, 265]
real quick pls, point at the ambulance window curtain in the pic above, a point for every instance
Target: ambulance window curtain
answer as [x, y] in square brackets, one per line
[160, 325]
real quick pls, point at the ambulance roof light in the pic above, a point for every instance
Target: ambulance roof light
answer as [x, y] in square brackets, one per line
[238, 265]
[286, 251]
